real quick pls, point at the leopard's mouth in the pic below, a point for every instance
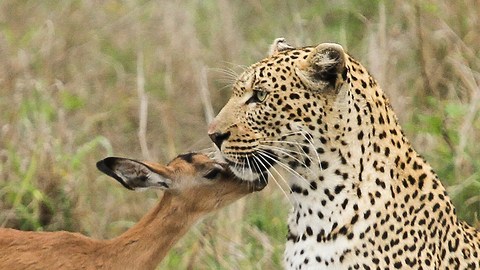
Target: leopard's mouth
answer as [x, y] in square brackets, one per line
[254, 185]
[258, 180]
[248, 174]
[252, 167]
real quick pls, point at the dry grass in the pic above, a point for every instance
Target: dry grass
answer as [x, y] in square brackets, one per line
[80, 80]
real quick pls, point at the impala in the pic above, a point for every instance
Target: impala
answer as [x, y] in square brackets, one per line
[194, 185]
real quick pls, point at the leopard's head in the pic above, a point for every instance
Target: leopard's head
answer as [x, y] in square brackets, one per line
[277, 106]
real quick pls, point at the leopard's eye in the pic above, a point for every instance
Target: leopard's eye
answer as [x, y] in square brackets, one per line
[261, 95]
[258, 96]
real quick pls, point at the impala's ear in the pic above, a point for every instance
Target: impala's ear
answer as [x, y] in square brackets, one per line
[134, 174]
[325, 67]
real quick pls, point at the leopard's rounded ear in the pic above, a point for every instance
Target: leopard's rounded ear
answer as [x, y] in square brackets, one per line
[278, 45]
[325, 66]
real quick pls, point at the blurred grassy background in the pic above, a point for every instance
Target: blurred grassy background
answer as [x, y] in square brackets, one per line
[75, 76]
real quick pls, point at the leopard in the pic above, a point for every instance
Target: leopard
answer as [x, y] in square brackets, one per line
[362, 197]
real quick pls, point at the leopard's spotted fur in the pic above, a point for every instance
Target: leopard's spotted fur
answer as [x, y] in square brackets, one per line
[363, 198]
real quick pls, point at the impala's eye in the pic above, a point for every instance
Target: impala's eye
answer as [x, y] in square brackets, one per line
[258, 96]
[212, 174]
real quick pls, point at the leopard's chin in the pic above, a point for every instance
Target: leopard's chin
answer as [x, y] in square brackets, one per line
[247, 174]
[259, 180]
[248, 169]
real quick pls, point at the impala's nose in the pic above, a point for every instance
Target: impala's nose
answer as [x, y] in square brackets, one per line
[218, 138]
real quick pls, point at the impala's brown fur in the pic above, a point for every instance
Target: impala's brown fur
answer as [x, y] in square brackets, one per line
[195, 185]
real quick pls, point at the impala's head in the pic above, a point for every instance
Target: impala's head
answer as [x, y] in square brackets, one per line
[192, 176]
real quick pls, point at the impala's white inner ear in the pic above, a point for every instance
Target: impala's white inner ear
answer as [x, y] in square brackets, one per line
[155, 180]
[138, 176]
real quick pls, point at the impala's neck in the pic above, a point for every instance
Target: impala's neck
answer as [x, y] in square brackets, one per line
[144, 245]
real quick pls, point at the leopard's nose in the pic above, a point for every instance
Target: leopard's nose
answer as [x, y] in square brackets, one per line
[218, 138]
